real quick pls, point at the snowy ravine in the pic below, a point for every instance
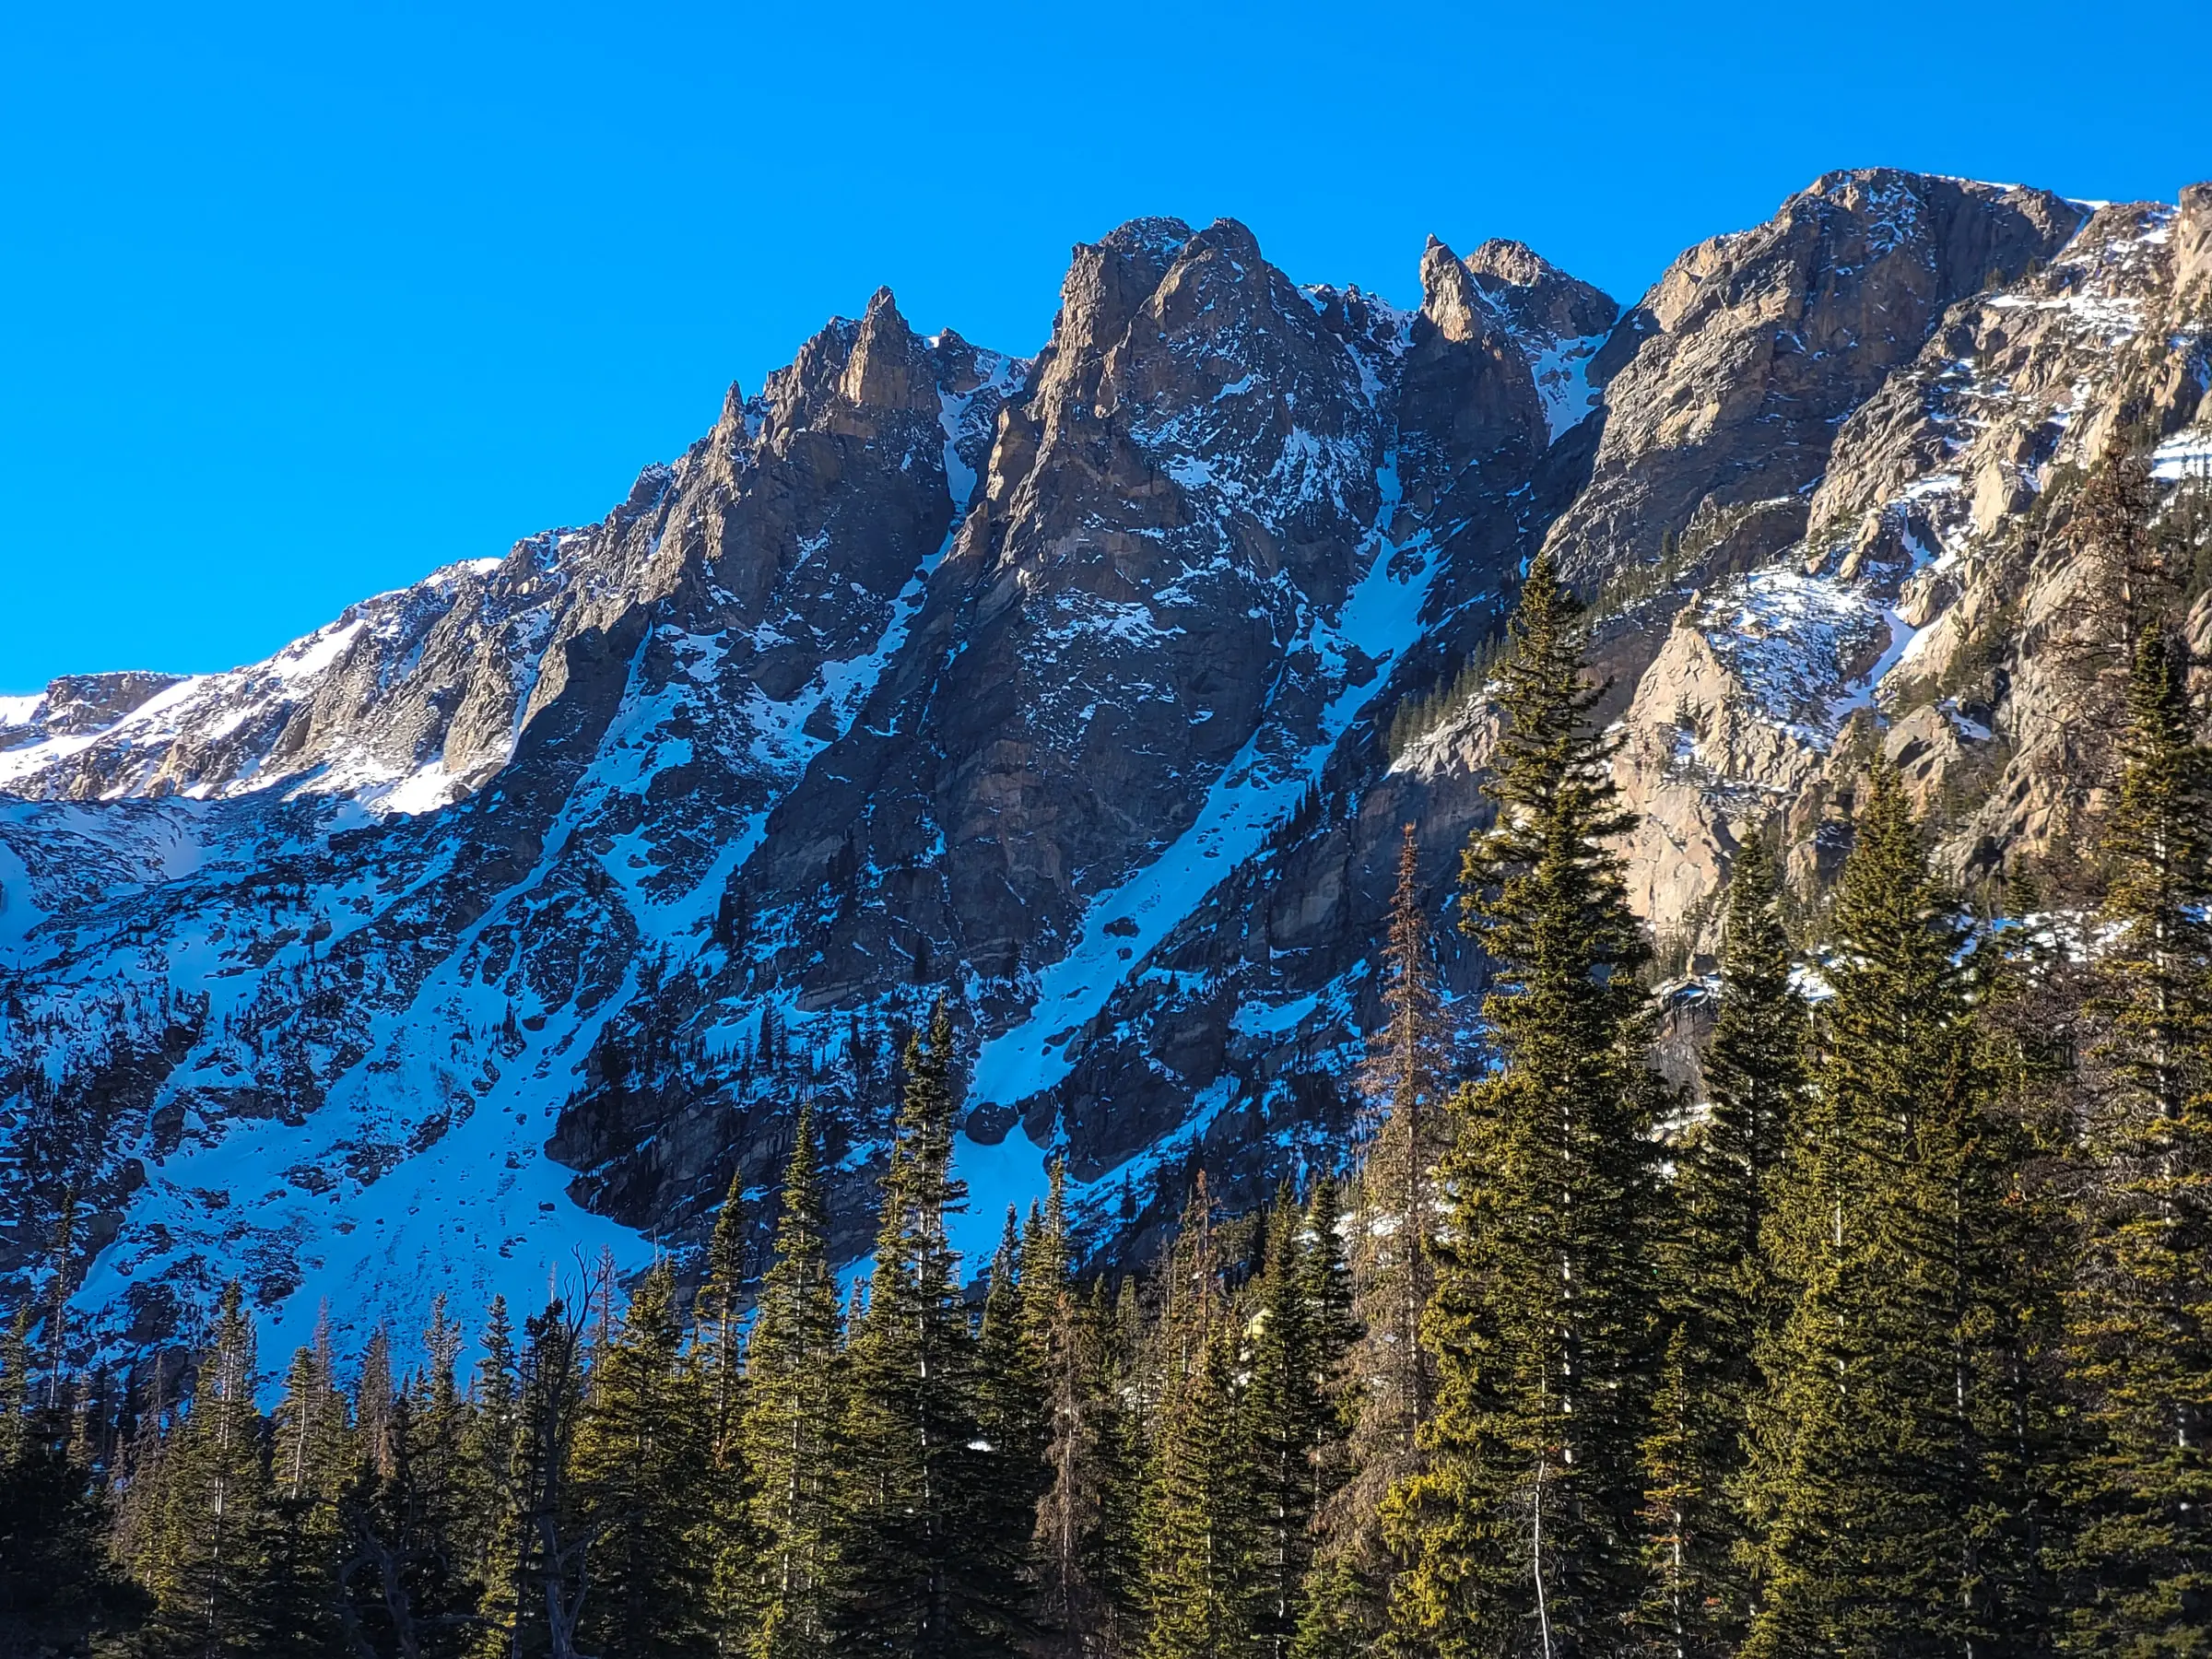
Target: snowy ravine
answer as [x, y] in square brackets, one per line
[1252, 798]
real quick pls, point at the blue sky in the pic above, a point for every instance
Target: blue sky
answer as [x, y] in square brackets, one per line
[299, 303]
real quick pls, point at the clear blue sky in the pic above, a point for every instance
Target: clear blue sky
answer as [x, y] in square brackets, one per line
[299, 303]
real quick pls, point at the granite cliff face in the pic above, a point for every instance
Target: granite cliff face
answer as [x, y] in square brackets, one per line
[507, 916]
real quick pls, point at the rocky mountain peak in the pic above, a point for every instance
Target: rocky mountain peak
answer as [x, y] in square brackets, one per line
[1153, 240]
[1468, 388]
[1107, 282]
[509, 912]
[1450, 299]
[79, 704]
[889, 368]
[1753, 347]
[1536, 295]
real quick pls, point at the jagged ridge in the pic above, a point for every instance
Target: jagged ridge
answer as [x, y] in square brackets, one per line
[508, 914]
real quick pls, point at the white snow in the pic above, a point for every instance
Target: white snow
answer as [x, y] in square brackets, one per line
[1786, 636]
[426, 789]
[1261, 1020]
[2186, 455]
[303, 659]
[1562, 374]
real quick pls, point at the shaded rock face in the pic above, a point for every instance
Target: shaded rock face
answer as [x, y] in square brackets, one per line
[505, 919]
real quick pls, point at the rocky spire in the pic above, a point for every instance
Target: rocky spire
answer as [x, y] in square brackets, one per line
[1449, 298]
[887, 369]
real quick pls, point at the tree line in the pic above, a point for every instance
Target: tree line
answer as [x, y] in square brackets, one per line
[1894, 1339]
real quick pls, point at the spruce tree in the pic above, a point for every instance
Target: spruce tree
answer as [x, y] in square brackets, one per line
[642, 1471]
[373, 1397]
[401, 1590]
[1851, 1552]
[60, 1589]
[727, 1531]
[1392, 1262]
[1288, 1410]
[1721, 1301]
[1340, 1605]
[444, 1602]
[554, 1535]
[1523, 1529]
[205, 1559]
[1085, 1532]
[915, 1576]
[1681, 1608]
[2118, 598]
[1325, 1278]
[1886, 1521]
[493, 1463]
[793, 1412]
[15, 1383]
[1067, 1511]
[2139, 1322]
[1010, 1475]
[406, 1581]
[309, 1464]
[1199, 1520]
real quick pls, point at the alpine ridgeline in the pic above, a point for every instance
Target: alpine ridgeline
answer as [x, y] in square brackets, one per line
[505, 919]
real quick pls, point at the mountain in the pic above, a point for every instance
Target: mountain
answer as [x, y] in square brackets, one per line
[501, 921]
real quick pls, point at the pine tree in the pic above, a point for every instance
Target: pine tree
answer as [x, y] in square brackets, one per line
[205, 1561]
[1885, 1522]
[554, 1536]
[916, 1575]
[1199, 1521]
[642, 1473]
[14, 1384]
[1010, 1476]
[1680, 1608]
[492, 1451]
[721, 1314]
[401, 1573]
[1523, 1532]
[1851, 1551]
[1721, 1301]
[446, 1605]
[1084, 1532]
[728, 1528]
[409, 1525]
[2119, 594]
[1392, 1262]
[60, 1590]
[1067, 1511]
[1339, 1607]
[1289, 1412]
[153, 1409]
[793, 1411]
[310, 1444]
[2140, 1339]
[1325, 1275]
[374, 1395]
[311, 1455]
